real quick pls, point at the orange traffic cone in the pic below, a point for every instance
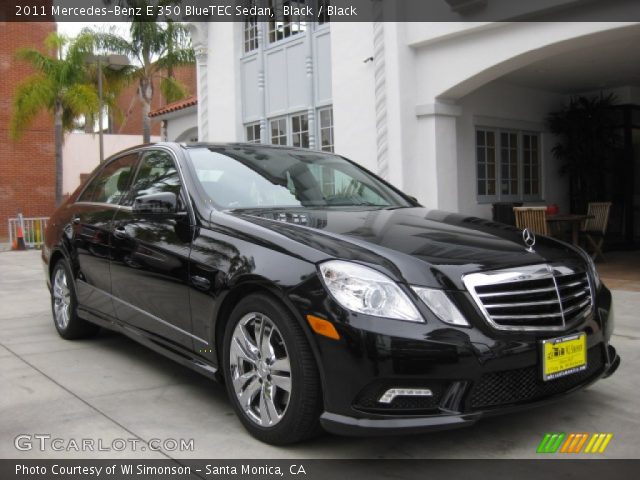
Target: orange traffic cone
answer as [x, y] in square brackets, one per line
[20, 240]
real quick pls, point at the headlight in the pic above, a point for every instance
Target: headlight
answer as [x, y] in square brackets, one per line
[441, 305]
[591, 267]
[364, 290]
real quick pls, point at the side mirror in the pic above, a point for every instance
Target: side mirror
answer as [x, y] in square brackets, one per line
[157, 203]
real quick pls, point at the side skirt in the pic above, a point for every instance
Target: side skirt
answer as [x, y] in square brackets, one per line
[155, 343]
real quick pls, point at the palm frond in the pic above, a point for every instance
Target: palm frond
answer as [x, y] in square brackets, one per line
[35, 94]
[172, 89]
[114, 81]
[37, 59]
[56, 42]
[81, 99]
[114, 43]
[176, 58]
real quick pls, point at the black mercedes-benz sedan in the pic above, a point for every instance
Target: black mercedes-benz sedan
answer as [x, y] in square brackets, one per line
[322, 296]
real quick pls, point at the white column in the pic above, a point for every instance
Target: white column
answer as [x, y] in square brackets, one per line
[311, 100]
[224, 82]
[432, 175]
[262, 93]
[199, 34]
[380, 80]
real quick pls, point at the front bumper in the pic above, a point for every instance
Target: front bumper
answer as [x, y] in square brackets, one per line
[346, 425]
[472, 372]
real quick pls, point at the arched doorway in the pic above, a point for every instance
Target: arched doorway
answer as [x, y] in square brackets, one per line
[188, 136]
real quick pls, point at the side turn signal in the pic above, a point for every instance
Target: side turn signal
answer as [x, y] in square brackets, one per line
[323, 327]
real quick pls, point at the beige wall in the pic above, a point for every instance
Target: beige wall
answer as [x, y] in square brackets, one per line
[81, 154]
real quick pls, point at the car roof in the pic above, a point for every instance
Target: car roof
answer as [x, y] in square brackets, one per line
[244, 145]
[187, 146]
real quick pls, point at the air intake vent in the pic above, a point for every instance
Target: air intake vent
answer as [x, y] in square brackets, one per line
[525, 385]
[538, 297]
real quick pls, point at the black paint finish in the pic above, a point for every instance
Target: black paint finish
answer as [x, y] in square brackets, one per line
[171, 280]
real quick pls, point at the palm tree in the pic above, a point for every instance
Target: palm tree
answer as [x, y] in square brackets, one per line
[60, 86]
[588, 145]
[156, 48]
[114, 79]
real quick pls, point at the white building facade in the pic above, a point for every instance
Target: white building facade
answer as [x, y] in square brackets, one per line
[452, 113]
[267, 84]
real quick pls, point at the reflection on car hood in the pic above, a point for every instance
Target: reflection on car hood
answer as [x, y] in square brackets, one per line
[447, 245]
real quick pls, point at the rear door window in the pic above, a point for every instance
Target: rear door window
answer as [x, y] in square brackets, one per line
[112, 183]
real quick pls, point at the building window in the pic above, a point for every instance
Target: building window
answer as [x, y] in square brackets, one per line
[278, 131]
[531, 164]
[300, 130]
[328, 181]
[253, 133]
[284, 26]
[326, 129]
[251, 31]
[508, 165]
[292, 130]
[486, 158]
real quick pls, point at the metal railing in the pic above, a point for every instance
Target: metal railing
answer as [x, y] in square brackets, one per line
[33, 229]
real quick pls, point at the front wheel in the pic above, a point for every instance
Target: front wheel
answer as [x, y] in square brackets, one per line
[270, 372]
[64, 305]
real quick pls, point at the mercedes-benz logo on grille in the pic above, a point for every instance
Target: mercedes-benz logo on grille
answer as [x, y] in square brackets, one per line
[529, 239]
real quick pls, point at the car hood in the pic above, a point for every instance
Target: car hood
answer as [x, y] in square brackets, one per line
[419, 246]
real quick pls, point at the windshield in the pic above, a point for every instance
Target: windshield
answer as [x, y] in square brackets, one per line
[241, 176]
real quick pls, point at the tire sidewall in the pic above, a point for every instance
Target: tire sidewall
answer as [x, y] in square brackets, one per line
[282, 319]
[62, 264]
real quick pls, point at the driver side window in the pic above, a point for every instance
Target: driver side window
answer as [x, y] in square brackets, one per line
[157, 174]
[110, 185]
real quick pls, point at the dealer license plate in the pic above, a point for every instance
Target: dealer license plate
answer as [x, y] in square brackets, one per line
[564, 356]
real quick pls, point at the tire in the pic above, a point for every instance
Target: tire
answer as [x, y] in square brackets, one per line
[64, 305]
[256, 372]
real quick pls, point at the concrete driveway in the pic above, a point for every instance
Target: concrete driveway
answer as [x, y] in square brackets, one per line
[111, 388]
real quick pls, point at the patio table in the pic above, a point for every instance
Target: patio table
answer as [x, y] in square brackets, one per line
[572, 219]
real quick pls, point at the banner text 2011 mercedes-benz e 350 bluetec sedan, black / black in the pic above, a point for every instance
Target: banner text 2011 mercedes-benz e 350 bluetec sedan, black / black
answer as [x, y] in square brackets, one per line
[321, 295]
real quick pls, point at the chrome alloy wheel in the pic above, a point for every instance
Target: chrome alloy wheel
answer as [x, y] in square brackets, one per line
[260, 369]
[61, 298]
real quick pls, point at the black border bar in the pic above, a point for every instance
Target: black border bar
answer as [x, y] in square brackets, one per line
[297, 469]
[109, 11]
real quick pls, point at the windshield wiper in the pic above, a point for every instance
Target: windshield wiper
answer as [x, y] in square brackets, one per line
[363, 203]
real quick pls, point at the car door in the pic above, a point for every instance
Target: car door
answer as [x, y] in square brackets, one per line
[149, 266]
[90, 221]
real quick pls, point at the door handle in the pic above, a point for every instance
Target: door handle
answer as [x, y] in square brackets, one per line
[200, 283]
[120, 232]
[76, 220]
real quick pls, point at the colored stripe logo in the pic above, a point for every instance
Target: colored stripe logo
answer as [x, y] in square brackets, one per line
[574, 443]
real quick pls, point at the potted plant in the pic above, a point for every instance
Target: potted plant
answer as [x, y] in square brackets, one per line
[587, 144]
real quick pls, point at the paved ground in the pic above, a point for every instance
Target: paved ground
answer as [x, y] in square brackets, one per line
[621, 270]
[110, 387]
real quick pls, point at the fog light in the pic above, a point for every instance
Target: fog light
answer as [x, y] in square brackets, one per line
[389, 395]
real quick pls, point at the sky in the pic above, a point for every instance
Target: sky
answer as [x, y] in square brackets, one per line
[71, 29]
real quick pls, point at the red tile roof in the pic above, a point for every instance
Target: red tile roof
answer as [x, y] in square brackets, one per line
[174, 106]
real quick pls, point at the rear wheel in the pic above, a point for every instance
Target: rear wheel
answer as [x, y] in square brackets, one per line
[64, 305]
[270, 372]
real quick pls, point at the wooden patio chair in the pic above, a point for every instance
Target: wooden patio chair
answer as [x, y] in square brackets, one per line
[594, 229]
[533, 218]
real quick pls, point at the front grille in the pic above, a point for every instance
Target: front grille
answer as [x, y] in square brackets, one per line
[526, 384]
[539, 297]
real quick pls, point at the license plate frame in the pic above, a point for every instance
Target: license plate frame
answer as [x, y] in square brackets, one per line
[562, 356]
